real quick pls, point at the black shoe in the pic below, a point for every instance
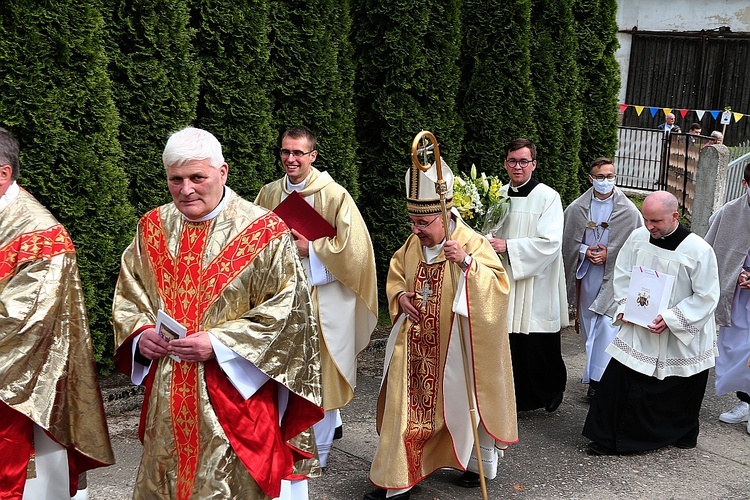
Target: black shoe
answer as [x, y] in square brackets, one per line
[554, 402]
[600, 449]
[686, 444]
[468, 480]
[379, 494]
[339, 432]
[593, 384]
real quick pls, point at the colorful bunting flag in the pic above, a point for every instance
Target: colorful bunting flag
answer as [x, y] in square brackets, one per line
[700, 113]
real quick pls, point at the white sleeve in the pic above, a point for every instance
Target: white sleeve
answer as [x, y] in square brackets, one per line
[319, 274]
[243, 375]
[138, 372]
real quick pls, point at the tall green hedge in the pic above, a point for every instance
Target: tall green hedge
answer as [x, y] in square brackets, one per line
[407, 79]
[497, 99]
[596, 26]
[57, 99]
[232, 49]
[554, 76]
[155, 79]
[311, 78]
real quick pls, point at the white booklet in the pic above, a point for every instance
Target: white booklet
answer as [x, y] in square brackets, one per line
[648, 295]
[169, 329]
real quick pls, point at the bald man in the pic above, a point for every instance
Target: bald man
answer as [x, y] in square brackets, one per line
[669, 125]
[651, 391]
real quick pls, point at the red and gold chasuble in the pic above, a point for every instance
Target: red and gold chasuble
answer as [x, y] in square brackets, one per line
[424, 362]
[187, 290]
[36, 245]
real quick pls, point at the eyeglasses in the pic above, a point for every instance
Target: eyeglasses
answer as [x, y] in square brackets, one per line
[285, 153]
[601, 177]
[413, 224]
[519, 163]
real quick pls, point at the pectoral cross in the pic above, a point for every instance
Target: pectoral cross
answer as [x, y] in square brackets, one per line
[425, 292]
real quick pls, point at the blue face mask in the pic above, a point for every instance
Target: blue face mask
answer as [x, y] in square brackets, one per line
[604, 186]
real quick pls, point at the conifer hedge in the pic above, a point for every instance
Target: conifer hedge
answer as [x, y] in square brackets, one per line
[311, 80]
[557, 111]
[599, 76]
[232, 48]
[57, 100]
[155, 81]
[497, 99]
[407, 79]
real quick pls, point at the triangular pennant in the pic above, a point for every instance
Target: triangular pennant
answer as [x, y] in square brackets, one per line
[639, 110]
[683, 112]
[653, 110]
[700, 113]
[623, 107]
[737, 116]
[715, 113]
[666, 111]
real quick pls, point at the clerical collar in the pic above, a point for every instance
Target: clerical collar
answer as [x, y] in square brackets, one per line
[216, 211]
[10, 195]
[673, 239]
[295, 187]
[524, 189]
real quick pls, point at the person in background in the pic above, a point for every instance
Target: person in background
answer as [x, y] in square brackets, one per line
[728, 236]
[651, 392]
[695, 129]
[229, 407]
[530, 241]
[340, 270]
[423, 409]
[596, 226]
[669, 125]
[53, 424]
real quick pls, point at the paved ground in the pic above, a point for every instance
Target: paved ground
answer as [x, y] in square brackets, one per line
[549, 461]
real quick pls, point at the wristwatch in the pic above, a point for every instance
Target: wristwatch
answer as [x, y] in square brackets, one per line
[466, 263]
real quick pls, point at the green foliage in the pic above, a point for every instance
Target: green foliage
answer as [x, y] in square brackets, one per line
[497, 98]
[406, 81]
[155, 83]
[599, 79]
[233, 104]
[554, 76]
[313, 78]
[57, 100]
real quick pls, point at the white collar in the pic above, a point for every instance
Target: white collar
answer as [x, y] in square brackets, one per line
[10, 195]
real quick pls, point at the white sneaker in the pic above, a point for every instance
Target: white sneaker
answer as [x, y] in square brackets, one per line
[739, 413]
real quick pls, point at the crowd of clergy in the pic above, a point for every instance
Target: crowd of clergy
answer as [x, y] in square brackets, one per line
[244, 321]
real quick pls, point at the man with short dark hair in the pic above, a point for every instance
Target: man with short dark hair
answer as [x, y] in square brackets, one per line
[531, 243]
[53, 423]
[229, 406]
[651, 392]
[596, 226]
[340, 270]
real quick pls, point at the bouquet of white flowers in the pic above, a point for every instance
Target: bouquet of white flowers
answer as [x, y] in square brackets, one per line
[478, 200]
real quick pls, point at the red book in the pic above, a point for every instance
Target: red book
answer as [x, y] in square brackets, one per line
[302, 217]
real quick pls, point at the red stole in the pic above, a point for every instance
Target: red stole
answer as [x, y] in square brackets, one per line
[423, 357]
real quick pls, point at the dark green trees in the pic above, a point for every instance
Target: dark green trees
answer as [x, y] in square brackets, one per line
[406, 81]
[497, 99]
[557, 109]
[57, 100]
[155, 81]
[312, 80]
[232, 50]
[599, 75]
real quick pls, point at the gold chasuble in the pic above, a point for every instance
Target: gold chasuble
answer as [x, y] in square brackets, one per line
[47, 371]
[238, 277]
[423, 418]
[349, 257]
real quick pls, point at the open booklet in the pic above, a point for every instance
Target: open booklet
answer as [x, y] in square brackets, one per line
[169, 329]
[648, 295]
